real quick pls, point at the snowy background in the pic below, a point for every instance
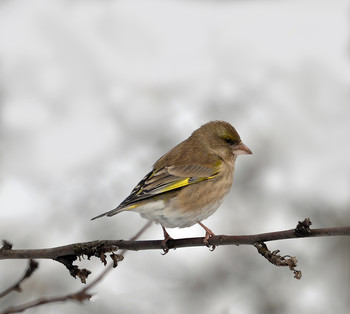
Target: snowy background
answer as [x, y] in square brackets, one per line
[93, 92]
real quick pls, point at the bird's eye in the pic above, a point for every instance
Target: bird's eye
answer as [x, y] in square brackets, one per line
[231, 141]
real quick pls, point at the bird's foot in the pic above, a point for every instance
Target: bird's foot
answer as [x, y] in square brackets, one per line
[208, 234]
[167, 237]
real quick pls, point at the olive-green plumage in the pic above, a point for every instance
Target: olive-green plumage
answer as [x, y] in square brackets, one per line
[188, 183]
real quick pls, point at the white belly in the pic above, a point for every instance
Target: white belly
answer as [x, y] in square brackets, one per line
[172, 218]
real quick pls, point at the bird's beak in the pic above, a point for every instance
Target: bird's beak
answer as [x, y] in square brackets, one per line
[242, 149]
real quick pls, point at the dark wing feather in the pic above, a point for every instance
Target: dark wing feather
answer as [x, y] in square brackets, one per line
[164, 180]
[167, 179]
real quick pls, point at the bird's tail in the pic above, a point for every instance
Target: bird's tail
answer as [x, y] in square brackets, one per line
[110, 213]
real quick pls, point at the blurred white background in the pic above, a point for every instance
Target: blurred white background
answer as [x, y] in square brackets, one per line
[93, 92]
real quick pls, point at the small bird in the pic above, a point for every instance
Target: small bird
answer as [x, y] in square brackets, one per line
[188, 183]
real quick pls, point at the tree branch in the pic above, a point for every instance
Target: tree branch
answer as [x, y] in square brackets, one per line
[69, 253]
[96, 248]
[80, 295]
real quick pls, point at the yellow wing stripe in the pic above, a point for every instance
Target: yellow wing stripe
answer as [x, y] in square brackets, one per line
[186, 182]
[176, 185]
[132, 206]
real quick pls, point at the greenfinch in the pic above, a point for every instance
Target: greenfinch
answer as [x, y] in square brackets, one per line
[188, 183]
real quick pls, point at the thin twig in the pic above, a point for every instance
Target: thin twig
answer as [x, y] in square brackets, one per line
[32, 266]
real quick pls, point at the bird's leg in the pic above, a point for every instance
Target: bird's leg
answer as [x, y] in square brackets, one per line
[167, 237]
[208, 233]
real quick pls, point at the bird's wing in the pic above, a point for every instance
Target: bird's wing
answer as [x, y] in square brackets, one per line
[161, 181]
[168, 179]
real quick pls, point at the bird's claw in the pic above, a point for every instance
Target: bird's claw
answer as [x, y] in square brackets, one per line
[164, 246]
[209, 234]
[167, 237]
